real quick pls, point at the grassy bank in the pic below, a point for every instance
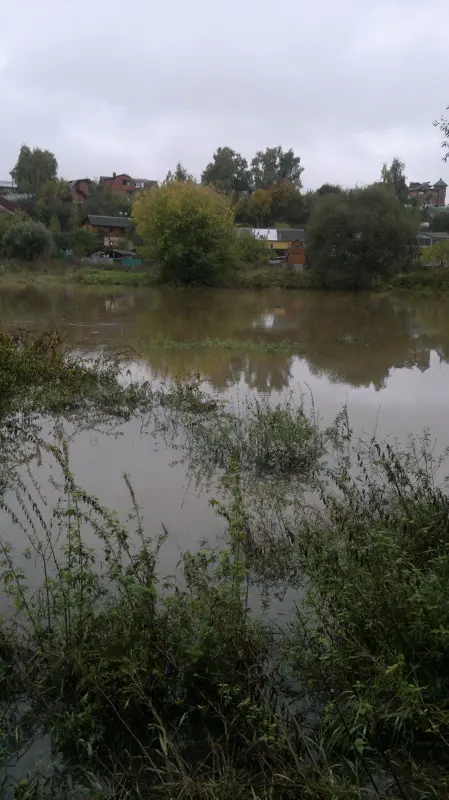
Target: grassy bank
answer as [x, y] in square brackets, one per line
[61, 273]
[434, 280]
[248, 277]
[170, 688]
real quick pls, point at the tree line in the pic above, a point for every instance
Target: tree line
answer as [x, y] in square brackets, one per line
[355, 236]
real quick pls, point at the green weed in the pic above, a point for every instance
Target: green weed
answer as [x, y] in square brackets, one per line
[162, 687]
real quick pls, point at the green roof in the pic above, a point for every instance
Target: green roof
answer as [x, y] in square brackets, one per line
[441, 184]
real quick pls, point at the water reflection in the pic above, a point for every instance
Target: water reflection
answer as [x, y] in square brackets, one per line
[351, 339]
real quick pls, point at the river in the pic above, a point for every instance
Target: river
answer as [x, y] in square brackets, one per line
[386, 357]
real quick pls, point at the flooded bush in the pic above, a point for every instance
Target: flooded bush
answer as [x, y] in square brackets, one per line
[154, 686]
[263, 440]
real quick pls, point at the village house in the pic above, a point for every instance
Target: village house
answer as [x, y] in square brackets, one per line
[112, 229]
[116, 183]
[124, 183]
[278, 239]
[80, 189]
[428, 194]
[9, 206]
[288, 243]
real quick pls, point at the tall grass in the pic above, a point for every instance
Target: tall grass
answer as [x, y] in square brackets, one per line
[156, 687]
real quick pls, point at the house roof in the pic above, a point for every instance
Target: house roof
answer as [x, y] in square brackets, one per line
[6, 205]
[109, 222]
[109, 178]
[291, 234]
[273, 234]
[270, 234]
[426, 185]
[80, 180]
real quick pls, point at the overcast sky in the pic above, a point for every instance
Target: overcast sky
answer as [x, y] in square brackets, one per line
[136, 85]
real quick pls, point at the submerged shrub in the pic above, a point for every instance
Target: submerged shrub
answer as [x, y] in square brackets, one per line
[263, 441]
[375, 649]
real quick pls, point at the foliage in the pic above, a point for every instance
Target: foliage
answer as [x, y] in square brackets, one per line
[54, 202]
[80, 240]
[264, 441]
[429, 280]
[115, 277]
[105, 201]
[436, 253]
[189, 230]
[33, 169]
[180, 174]
[27, 241]
[251, 250]
[164, 688]
[329, 188]
[394, 177]
[7, 222]
[358, 236]
[39, 374]
[443, 125]
[282, 203]
[439, 223]
[245, 345]
[227, 172]
[377, 650]
[274, 165]
[255, 209]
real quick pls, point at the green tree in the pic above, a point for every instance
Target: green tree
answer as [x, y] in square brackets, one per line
[104, 201]
[34, 168]
[259, 208]
[436, 254]
[329, 188]
[227, 172]
[180, 174]
[8, 221]
[439, 223]
[286, 204]
[27, 241]
[81, 241]
[274, 165]
[357, 236]
[251, 250]
[189, 230]
[394, 177]
[54, 206]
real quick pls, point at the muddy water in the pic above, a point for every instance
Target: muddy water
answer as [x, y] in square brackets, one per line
[386, 357]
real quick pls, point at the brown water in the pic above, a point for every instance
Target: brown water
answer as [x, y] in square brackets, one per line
[386, 357]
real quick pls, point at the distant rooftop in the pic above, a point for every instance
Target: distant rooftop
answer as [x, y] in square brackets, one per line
[274, 234]
[109, 222]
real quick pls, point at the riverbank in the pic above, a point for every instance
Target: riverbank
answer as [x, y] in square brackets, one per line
[61, 273]
[176, 687]
[252, 278]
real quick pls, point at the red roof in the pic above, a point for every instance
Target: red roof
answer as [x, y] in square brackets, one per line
[7, 205]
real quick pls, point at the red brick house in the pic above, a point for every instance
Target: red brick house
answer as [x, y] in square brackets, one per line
[124, 183]
[427, 194]
[80, 189]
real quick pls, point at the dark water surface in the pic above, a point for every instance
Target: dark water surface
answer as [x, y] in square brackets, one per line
[385, 356]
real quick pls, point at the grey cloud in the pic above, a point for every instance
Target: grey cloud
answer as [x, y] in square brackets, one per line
[138, 85]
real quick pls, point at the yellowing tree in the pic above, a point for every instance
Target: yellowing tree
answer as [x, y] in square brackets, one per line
[189, 230]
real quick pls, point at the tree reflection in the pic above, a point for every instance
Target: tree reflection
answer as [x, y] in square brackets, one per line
[353, 339]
